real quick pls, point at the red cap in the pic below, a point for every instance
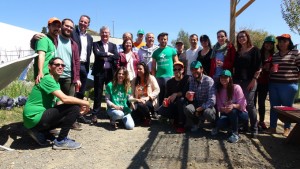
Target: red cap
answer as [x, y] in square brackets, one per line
[286, 36]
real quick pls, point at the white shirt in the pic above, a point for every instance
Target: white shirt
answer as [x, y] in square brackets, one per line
[191, 55]
[129, 66]
[83, 53]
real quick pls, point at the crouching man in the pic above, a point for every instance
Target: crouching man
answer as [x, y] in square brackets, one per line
[201, 98]
[40, 116]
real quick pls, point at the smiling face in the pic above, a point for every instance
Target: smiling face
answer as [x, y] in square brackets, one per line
[104, 33]
[283, 44]
[197, 73]
[54, 29]
[149, 39]
[57, 67]
[140, 70]
[221, 38]
[84, 23]
[193, 42]
[178, 71]
[121, 76]
[67, 28]
[242, 38]
[224, 80]
[163, 41]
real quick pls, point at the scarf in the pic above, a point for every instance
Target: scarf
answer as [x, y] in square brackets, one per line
[218, 48]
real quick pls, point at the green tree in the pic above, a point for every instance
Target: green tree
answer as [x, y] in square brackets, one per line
[44, 30]
[184, 37]
[290, 10]
[257, 36]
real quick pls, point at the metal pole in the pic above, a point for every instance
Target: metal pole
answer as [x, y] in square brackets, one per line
[113, 28]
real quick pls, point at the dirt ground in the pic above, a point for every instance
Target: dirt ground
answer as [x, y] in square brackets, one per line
[155, 147]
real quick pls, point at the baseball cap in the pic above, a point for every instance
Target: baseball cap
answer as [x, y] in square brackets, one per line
[178, 63]
[54, 19]
[179, 41]
[195, 64]
[141, 31]
[226, 73]
[286, 36]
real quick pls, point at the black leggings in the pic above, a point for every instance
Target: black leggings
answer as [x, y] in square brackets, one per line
[62, 116]
[142, 111]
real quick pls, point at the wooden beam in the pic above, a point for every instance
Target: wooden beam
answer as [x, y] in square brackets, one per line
[244, 7]
[233, 4]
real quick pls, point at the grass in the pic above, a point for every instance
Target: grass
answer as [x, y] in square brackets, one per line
[13, 90]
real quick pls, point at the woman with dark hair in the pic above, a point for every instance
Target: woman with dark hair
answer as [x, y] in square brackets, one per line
[284, 75]
[145, 91]
[231, 103]
[128, 58]
[117, 94]
[205, 53]
[266, 52]
[222, 56]
[247, 66]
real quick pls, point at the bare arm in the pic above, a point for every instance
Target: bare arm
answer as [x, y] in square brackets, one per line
[70, 99]
[41, 62]
[153, 71]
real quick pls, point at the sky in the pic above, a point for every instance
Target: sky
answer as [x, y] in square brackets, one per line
[156, 16]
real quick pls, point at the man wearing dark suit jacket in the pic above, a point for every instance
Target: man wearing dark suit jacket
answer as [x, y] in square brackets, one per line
[85, 44]
[106, 55]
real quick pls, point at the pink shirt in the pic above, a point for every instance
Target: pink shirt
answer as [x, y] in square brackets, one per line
[237, 98]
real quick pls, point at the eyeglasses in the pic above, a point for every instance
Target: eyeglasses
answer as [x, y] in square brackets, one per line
[240, 37]
[59, 64]
[177, 69]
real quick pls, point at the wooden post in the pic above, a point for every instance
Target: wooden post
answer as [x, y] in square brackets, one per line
[234, 14]
[233, 4]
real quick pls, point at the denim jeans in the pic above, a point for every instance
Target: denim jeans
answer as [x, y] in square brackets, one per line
[119, 115]
[281, 94]
[233, 119]
[162, 82]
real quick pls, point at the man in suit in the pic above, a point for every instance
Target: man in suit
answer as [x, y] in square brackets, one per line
[84, 42]
[106, 55]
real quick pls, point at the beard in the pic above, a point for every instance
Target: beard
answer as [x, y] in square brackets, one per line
[65, 34]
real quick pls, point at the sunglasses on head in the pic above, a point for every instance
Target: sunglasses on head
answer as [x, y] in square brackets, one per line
[59, 64]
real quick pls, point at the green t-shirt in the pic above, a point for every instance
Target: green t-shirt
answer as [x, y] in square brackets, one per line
[45, 44]
[118, 96]
[164, 61]
[39, 100]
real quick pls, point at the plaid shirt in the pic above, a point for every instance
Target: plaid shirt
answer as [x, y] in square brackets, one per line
[204, 92]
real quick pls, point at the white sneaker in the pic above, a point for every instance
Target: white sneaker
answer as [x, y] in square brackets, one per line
[214, 131]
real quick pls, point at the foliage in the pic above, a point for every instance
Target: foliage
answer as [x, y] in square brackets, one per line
[92, 32]
[17, 88]
[11, 116]
[184, 37]
[44, 30]
[290, 10]
[257, 36]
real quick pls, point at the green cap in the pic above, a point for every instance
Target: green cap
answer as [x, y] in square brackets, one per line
[270, 39]
[141, 31]
[226, 73]
[195, 64]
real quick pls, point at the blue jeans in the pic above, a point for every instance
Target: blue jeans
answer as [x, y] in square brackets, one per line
[119, 115]
[281, 94]
[233, 119]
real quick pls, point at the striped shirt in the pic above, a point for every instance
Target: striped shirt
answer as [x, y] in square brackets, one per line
[204, 92]
[288, 69]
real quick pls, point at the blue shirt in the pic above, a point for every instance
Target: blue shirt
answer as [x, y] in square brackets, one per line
[204, 92]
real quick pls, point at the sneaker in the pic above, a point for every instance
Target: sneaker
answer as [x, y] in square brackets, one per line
[66, 144]
[77, 126]
[194, 128]
[214, 131]
[180, 130]
[94, 119]
[233, 138]
[147, 122]
[82, 119]
[254, 132]
[113, 124]
[270, 130]
[38, 137]
[262, 125]
[286, 132]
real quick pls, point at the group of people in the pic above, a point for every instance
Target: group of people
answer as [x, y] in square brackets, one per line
[218, 83]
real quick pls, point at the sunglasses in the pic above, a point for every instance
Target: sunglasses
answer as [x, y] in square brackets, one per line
[177, 69]
[59, 64]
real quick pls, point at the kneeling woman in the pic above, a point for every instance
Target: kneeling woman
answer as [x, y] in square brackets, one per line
[117, 95]
[145, 91]
[231, 103]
